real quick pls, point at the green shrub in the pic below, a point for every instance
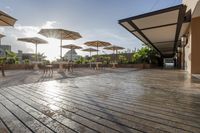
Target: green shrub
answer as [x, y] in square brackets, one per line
[145, 55]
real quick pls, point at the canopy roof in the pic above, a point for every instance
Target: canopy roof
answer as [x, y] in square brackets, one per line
[60, 34]
[34, 40]
[160, 29]
[114, 47]
[6, 20]
[71, 46]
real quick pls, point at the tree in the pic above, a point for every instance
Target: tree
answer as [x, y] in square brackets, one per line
[123, 59]
[145, 55]
[11, 57]
[40, 56]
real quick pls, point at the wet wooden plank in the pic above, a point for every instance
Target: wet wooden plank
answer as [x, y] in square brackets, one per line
[98, 119]
[3, 128]
[136, 119]
[61, 117]
[49, 122]
[28, 121]
[12, 122]
[142, 101]
[166, 108]
[57, 111]
[181, 109]
[161, 123]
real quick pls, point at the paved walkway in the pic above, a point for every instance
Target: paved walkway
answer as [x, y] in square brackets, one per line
[128, 101]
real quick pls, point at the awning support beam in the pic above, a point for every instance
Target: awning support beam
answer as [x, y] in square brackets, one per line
[179, 25]
[142, 34]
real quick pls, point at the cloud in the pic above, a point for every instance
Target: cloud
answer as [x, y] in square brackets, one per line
[50, 24]
[22, 31]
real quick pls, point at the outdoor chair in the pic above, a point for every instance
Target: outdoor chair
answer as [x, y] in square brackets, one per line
[28, 67]
[103, 65]
[48, 68]
[69, 66]
[93, 65]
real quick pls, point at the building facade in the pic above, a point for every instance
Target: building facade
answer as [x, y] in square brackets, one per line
[191, 61]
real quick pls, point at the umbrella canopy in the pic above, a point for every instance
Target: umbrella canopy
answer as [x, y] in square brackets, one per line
[1, 36]
[60, 34]
[6, 20]
[97, 44]
[71, 46]
[34, 40]
[90, 50]
[114, 48]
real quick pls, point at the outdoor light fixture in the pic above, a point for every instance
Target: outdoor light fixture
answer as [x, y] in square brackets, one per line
[184, 40]
[179, 49]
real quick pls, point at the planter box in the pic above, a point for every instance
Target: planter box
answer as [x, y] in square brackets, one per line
[17, 66]
[25, 66]
[140, 66]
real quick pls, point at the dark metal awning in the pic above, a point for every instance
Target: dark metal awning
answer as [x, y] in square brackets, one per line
[160, 29]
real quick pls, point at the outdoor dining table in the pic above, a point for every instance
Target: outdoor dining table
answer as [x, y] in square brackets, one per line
[36, 63]
[114, 64]
[97, 65]
[61, 66]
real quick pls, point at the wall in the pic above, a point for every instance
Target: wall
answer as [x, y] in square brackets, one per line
[195, 28]
[188, 51]
[191, 4]
[192, 54]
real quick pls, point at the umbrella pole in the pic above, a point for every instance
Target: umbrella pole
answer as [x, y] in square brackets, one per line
[116, 56]
[36, 56]
[90, 59]
[97, 50]
[71, 54]
[61, 48]
[113, 55]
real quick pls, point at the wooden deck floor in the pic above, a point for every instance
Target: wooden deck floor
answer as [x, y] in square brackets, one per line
[149, 101]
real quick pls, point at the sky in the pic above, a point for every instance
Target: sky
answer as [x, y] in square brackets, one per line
[93, 19]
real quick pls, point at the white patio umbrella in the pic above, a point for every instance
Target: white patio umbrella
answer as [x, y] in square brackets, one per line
[60, 34]
[34, 40]
[71, 46]
[114, 48]
[1, 36]
[97, 44]
[6, 20]
[90, 50]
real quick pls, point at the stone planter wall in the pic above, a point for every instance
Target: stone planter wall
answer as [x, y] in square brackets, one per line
[24, 66]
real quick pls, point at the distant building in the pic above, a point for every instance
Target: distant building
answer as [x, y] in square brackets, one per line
[29, 56]
[3, 49]
[71, 54]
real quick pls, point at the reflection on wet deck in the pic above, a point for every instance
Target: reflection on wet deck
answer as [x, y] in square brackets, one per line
[149, 101]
